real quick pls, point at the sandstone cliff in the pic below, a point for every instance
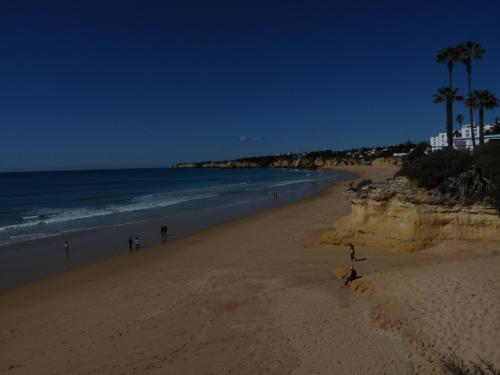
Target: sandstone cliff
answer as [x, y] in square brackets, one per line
[388, 162]
[382, 156]
[395, 215]
[286, 162]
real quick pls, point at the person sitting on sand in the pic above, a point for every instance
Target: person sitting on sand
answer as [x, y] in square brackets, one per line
[352, 253]
[350, 276]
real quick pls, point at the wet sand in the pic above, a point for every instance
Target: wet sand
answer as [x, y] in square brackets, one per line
[257, 295]
[29, 260]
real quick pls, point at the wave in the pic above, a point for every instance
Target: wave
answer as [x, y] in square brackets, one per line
[41, 222]
[58, 216]
[26, 218]
[292, 182]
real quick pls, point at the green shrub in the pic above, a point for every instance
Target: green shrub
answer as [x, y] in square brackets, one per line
[487, 158]
[462, 174]
[429, 171]
[418, 152]
[456, 366]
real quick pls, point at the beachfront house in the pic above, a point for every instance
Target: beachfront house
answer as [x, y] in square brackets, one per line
[462, 139]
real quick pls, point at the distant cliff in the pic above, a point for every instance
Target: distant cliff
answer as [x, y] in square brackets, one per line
[383, 156]
[396, 215]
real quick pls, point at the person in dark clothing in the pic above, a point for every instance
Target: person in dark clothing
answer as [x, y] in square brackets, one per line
[351, 276]
[66, 249]
[130, 243]
[352, 253]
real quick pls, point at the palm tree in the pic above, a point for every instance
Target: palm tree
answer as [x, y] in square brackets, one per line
[448, 95]
[483, 99]
[470, 51]
[449, 56]
[460, 119]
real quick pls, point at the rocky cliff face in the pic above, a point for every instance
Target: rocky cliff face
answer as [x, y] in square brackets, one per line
[185, 165]
[296, 162]
[395, 215]
[388, 162]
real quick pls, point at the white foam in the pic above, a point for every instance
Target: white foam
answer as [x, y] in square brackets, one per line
[55, 216]
[292, 182]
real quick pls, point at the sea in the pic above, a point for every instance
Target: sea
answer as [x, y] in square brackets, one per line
[97, 211]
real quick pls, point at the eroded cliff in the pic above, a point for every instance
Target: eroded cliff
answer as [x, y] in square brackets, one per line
[395, 215]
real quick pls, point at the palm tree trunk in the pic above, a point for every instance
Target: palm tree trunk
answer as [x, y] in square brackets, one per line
[471, 111]
[450, 73]
[481, 125]
[449, 124]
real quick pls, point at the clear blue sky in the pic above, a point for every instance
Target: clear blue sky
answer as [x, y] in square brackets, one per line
[106, 84]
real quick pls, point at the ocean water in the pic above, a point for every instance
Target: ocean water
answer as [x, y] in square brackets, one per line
[46, 204]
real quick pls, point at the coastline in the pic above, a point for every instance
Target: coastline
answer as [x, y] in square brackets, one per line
[26, 261]
[257, 294]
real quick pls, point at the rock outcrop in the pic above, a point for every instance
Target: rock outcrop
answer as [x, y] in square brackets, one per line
[390, 156]
[186, 165]
[396, 215]
[388, 162]
[286, 162]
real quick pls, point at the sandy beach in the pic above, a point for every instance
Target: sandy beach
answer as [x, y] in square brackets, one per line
[259, 295]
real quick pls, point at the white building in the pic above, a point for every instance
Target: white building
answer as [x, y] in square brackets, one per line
[462, 139]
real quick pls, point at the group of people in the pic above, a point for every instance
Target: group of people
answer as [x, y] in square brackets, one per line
[135, 241]
[164, 230]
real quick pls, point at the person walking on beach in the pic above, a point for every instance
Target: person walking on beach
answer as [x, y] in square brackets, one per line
[130, 243]
[66, 249]
[137, 243]
[352, 253]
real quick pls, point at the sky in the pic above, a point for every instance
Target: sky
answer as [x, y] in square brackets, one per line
[127, 84]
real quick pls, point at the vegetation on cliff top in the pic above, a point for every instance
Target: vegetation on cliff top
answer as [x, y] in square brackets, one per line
[462, 175]
[307, 160]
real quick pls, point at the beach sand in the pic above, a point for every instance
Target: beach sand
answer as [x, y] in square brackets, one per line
[258, 295]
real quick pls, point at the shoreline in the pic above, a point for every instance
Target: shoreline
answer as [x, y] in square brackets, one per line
[30, 260]
[255, 295]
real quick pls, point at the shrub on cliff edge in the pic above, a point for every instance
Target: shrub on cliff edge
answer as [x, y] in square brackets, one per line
[429, 171]
[447, 169]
